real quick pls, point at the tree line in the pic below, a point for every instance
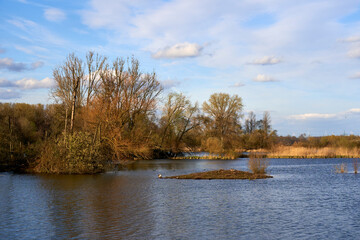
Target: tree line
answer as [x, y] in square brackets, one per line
[107, 112]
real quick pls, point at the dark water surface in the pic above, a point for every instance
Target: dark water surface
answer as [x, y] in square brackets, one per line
[304, 200]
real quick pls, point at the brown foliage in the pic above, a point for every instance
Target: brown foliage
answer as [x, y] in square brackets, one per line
[258, 163]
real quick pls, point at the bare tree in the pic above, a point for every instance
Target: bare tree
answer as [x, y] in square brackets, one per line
[125, 99]
[95, 64]
[69, 79]
[250, 123]
[266, 121]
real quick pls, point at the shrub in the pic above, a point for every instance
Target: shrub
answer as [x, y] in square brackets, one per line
[355, 165]
[214, 145]
[74, 154]
[342, 168]
[258, 163]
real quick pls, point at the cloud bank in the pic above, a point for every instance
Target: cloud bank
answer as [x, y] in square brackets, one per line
[318, 116]
[10, 65]
[27, 83]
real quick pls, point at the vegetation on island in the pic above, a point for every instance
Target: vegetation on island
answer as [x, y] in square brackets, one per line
[107, 112]
[221, 174]
[257, 165]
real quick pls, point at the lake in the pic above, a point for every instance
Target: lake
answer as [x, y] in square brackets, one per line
[306, 199]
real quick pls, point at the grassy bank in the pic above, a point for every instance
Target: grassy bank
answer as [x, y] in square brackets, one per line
[303, 152]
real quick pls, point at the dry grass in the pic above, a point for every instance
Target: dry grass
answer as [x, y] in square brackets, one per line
[258, 163]
[342, 168]
[302, 152]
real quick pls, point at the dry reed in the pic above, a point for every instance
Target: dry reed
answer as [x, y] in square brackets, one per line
[303, 152]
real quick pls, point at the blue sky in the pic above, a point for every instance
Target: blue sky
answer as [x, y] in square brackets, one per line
[299, 60]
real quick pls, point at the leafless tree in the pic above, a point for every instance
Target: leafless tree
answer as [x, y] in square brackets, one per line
[69, 79]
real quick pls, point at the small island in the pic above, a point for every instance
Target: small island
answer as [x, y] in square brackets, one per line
[222, 174]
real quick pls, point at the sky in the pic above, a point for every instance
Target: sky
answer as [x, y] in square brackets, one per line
[298, 60]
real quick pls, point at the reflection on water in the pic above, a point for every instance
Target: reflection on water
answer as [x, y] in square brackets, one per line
[305, 199]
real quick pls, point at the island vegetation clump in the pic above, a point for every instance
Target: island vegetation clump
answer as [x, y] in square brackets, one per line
[222, 174]
[258, 163]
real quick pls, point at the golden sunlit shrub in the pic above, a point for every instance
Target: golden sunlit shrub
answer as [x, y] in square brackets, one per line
[342, 168]
[214, 145]
[355, 165]
[74, 154]
[258, 163]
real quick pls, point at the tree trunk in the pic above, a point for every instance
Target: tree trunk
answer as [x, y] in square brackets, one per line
[73, 113]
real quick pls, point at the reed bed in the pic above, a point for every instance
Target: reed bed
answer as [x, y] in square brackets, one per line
[303, 152]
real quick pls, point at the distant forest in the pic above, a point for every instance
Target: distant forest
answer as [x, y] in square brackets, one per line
[111, 112]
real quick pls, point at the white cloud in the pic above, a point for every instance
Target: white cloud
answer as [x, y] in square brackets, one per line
[180, 50]
[355, 76]
[354, 53]
[351, 39]
[307, 116]
[32, 32]
[263, 78]
[314, 116]
[37, 64]
[354, 110]
[32, 50]
[54, 15]
[169, 83]
[266, 60]
[113, 14]
[238, 84]
[27, 83]
[30, 83]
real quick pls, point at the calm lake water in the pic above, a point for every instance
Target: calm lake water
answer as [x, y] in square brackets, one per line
[306, 199]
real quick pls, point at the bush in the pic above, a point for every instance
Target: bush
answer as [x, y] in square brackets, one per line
[342, 168]
[73, 154]
[214, 145]
[355, 165]
[258, 163]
